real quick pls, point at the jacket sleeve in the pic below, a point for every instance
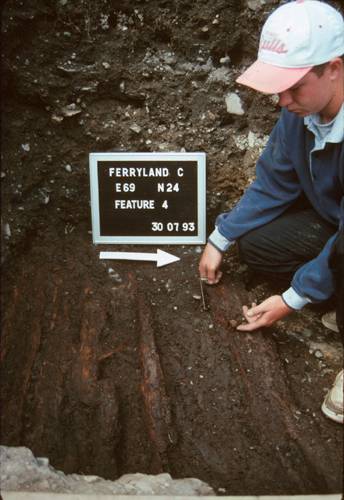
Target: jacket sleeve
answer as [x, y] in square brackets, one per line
[314, 281]
[275, 189]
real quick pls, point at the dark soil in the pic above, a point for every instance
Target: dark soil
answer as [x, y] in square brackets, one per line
[111, 367]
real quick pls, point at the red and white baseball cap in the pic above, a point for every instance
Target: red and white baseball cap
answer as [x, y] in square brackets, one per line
[295, 37]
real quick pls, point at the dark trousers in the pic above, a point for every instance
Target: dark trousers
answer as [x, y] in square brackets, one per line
[280, 247]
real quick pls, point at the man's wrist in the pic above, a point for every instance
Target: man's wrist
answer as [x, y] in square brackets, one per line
[219, 241]
[293, 300]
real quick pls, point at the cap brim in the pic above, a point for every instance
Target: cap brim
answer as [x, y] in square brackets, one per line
[271, 79]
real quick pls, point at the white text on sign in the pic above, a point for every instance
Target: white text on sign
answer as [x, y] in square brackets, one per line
[173, 226]
[142, 172]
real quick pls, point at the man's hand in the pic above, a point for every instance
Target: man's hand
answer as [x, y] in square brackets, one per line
[209, 265]
[265, 314]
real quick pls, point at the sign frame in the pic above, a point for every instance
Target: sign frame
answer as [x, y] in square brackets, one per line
[199, 157]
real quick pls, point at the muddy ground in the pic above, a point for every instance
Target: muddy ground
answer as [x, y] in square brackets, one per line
[109, 368]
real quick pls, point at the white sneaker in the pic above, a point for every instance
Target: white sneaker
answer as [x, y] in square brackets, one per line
[332, 406]
[329, 320]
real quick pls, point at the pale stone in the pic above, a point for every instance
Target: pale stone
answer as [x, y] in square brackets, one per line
[7, 230]
[70, 110]
[21, 471]
[255, 141]
[274, 99]
[165, 146]
[135, 128]
[257, 4]
[240, 141]
[168, 57]
[219, 75]
[225, 60]
[57, 118]
[233, 103]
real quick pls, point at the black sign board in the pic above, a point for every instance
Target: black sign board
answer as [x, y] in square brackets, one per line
[148, 197]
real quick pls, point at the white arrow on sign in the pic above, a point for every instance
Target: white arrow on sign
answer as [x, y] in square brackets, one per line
[162, 258]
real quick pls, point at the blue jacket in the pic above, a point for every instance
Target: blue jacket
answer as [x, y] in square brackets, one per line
[288, 166]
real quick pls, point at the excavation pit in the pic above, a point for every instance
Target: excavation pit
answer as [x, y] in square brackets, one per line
[115, 368]
[109, 376]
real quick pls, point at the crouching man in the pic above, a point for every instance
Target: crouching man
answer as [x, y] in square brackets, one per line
[287, 222]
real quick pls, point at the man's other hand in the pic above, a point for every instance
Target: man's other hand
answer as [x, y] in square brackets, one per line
[209, 265]
[265, 314]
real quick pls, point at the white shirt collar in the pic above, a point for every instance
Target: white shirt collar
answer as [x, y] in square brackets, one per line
[336, 132]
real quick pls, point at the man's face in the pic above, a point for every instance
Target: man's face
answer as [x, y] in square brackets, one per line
[312, 94]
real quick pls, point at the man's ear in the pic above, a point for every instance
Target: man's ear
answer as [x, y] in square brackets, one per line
[336, 67]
